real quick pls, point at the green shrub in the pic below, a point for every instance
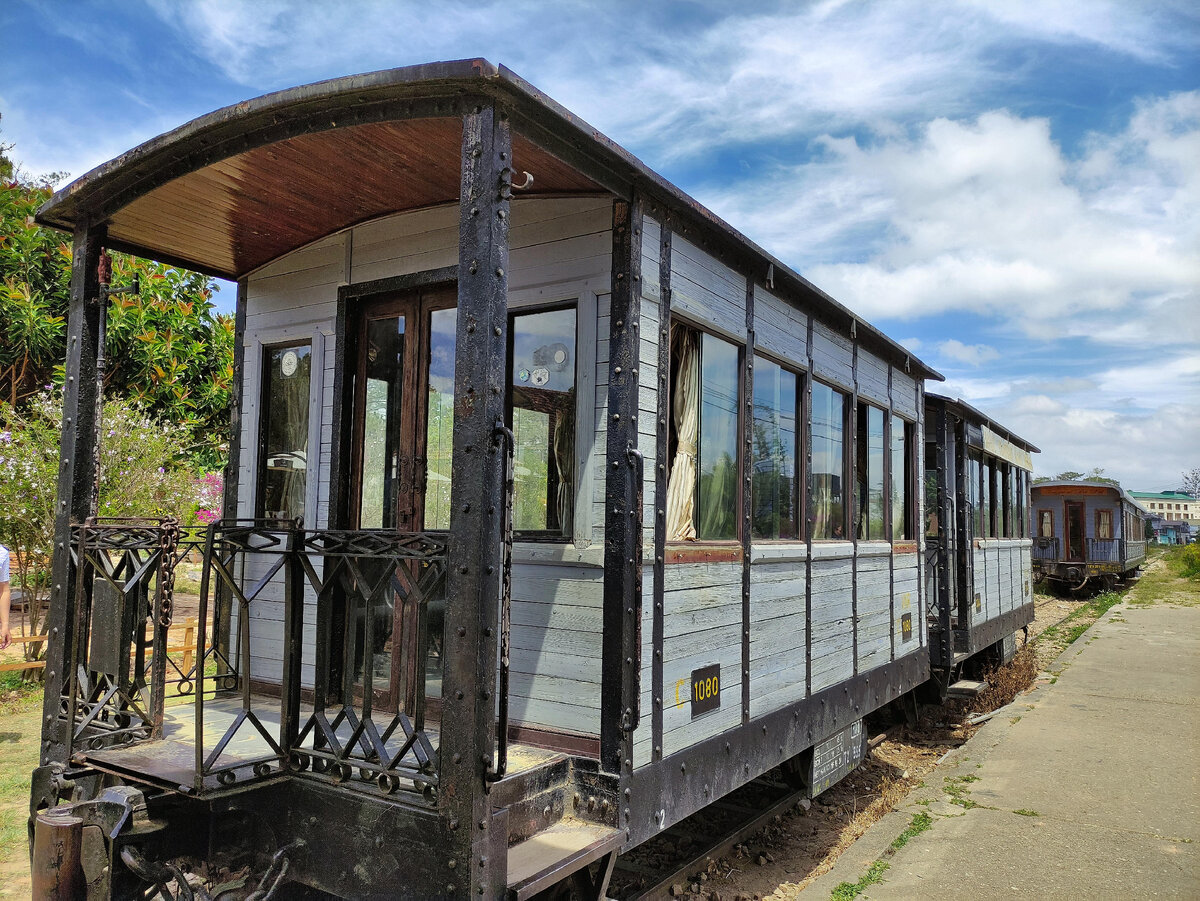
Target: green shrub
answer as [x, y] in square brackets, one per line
[1188, 561]
[143, 472]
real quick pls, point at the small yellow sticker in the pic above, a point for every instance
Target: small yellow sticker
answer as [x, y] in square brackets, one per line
[679, 702]
[906, 600]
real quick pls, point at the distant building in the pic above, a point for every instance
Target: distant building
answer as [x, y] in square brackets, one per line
[1168, 532]
[1172, 506]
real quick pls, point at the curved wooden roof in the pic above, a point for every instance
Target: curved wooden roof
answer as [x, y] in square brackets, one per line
[236, 188]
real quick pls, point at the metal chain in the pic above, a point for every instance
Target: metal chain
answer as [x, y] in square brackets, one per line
[167, 563]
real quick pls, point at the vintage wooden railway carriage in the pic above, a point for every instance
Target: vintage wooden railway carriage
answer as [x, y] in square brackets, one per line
[979, 578]
[557, 509]
[1086, 531]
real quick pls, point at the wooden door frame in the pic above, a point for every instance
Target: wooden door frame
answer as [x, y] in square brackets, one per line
[416, 300]
[1067, 504]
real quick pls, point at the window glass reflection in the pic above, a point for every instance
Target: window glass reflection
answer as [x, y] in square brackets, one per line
[283, 464]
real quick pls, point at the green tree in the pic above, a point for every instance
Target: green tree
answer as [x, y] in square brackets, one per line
[166, 346]
[1191, 483]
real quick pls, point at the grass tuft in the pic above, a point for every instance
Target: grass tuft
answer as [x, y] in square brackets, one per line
[846, 891]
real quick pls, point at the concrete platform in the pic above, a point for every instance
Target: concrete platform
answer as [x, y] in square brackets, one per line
[1085, 788]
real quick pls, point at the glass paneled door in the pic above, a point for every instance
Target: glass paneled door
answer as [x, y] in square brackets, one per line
[403, 430]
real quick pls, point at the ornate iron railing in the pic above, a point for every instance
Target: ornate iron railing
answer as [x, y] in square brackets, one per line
[392, 748]
[120, 671]
[113, 691]
[349, 574]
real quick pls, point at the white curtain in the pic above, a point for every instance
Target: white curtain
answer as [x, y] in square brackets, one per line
[681, 487]
[564, 461]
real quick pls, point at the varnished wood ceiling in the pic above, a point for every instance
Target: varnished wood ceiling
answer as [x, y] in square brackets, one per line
[234, 215]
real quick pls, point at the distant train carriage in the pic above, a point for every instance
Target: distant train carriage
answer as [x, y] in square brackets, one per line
[979, 577]
[1086, 532]
[557, 510]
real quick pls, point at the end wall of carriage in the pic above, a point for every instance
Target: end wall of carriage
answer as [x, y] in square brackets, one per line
[800, 617]
[560, 251]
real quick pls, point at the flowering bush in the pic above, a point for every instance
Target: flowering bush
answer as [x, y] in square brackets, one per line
[210, 491]
[142, 473]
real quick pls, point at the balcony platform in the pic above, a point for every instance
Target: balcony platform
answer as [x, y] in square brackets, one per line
[170, 762]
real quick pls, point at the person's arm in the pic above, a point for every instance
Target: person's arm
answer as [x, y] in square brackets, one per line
[5, 602]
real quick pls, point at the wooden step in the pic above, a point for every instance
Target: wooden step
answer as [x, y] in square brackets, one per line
[553, 854]
[965, 688]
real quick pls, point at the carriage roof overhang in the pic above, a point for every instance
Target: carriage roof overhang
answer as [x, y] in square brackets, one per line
[983, 420]
[1064, 486]
[234, 189]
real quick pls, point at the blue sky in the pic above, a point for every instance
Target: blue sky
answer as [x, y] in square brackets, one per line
[1010, 189]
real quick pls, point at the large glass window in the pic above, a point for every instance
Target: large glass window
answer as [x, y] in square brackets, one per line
[902, 494]
[542, 367]
[775, 489]
[702, 489]
[931, 484]
[283, 457]
[1104, 524]
[974, 465]
[986, 501]
[439, 418]
[1022, 529]
[828, 463]
[1045, 524]
[869, 497]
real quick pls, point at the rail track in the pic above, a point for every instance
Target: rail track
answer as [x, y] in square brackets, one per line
[674, 857]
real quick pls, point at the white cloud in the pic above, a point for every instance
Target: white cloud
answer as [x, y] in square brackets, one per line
[989, 216]
[971, 354]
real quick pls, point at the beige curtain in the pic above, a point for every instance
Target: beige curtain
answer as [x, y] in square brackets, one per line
[564, 461]
[681, 487]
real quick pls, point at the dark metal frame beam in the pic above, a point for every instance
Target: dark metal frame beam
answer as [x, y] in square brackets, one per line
[468, 736]
[691, 779]
[76, 476]
[621, 669]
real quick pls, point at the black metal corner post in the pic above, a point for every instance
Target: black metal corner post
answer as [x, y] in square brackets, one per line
[853, 500]
[747, 505]
[76, 478]
[222, 638]
[621, 668]
[962, 526]
[468, 727]
[662, 449]
[889, 524]
[914, 465]
[945, 447]
[807, 419]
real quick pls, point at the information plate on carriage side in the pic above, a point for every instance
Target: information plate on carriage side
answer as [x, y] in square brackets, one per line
[706, 689]
[835, 757]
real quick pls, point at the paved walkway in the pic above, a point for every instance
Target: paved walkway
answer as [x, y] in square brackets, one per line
[1085, 788]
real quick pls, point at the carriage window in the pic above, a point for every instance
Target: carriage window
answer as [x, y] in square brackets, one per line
[1046, 524]
[702, 489]
[1006, 484]
[986, 501]
[973, 491]
[1019, 502]
[542, 380]
[828, 462]
[902, 494]
[931, 480]
[868, 508]
[1104, 524]
[283, 442]
[775, 489]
